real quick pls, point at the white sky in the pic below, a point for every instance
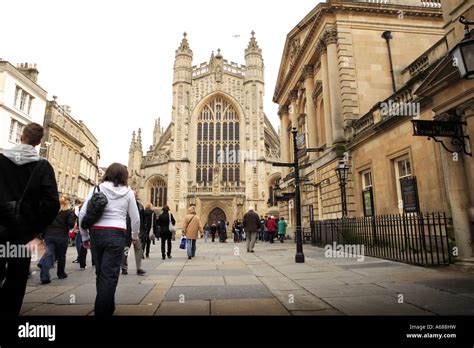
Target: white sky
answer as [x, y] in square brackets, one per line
[112, 61]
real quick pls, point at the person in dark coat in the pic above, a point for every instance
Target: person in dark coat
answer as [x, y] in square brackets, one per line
[150, 222]
[165, 234]
[39, 207]
[56, 238]
[137, 247]
[251, 226]
[223, 231]
[213, 231]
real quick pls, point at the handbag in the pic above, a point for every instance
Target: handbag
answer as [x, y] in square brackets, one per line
[182, 245]
[172, 228]
[10, 212]
[95, 208]
[151, 234]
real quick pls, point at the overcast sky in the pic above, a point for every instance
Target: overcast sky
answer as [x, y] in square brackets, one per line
[112, 61]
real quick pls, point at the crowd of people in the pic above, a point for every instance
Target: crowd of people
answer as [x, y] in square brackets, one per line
[108, 223]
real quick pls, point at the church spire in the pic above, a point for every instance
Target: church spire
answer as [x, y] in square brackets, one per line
[132, 144]
[184, 48]
[253, 45]
[139, 140]
[157, 132]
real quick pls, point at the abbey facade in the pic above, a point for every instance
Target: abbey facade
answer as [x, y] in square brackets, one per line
[217, 151]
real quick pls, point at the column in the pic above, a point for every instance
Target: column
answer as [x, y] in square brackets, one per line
[311, 117]
[467, 114]
[284, 137]
[334, 85]
[321, 47]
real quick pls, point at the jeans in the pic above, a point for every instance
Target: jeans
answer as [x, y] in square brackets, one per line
[251, 239]
[146, 246]
[78, 244]
[137, 248]
[281, 237]
[56, 248]
[265, 235]
[191, 247]
[107, 246]
[165, 239]
[14, 276]
[206, 236]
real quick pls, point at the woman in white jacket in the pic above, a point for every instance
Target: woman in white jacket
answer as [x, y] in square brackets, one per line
[106, 237]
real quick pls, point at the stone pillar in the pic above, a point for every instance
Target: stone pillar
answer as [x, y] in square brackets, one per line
[321, 47]
[311, 116]
[467, 114]
[330, 37]
[284, 137]
[456, 188]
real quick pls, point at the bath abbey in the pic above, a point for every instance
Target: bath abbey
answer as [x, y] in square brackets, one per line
[216, 153]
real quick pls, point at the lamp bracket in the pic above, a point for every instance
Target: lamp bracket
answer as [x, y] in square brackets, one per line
[458, 143]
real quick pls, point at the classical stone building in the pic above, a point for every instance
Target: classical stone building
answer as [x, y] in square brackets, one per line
[216, 152]
[22, 101]
[354, 74]
[71, 149]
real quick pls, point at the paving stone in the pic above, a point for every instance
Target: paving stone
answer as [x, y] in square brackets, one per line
[309, 283]
[26, 306]
[242, 280]
[190, 268]
[199, 281]
[323, 312]
[60, 310]
[279, 283]
[349, 290]
[247, 307]
[154, 297]
[135, 310]
[44, 297]
[189, 307]
[441, 302]
[303, 303]
[455, 285]
[373, 305]
[52, 289]
[219, 292]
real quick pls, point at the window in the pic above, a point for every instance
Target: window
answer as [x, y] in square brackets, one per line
[367, 193]
[23, 100]
[402, 170]
[16, 129]
[366, 179]
[158, 193]
[218, 142]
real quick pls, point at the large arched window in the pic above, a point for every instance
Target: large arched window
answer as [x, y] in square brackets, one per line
[218, 128]
[158, 193]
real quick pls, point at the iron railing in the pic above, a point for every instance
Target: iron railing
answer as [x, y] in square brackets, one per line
[422, 239]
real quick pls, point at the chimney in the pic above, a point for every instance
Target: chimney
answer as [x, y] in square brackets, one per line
[29, 70]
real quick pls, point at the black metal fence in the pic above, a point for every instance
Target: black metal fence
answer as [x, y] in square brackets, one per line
[422, 239]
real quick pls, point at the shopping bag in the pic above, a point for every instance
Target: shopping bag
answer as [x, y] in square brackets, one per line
[182, 245]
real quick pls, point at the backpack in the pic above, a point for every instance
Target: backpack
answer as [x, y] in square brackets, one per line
[95, 208]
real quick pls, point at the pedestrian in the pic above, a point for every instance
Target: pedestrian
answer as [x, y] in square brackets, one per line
[192, 227]
[56, 238]
[222, 231]
[213, 231]
[137, 247]
[77, 239]
[265, 230]
[262, 229]
[282, 229]
[107, 236]
[251, 226]
[29, 183]
[236, 232]
[164, 221]
[272, 227]
[150, 223]
[207, 229]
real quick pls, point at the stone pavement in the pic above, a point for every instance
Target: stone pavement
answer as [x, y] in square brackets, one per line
[223, 279]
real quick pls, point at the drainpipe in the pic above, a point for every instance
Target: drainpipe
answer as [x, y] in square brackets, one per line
[387, 35]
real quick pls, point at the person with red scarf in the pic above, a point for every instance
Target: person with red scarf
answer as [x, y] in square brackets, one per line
[272, 227]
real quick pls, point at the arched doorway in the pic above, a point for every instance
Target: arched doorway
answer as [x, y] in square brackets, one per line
[217, 214]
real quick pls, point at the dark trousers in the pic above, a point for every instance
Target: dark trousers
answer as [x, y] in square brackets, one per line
[13, 278]
[271, 236]
[281, 237]
[146, 242]
[56, 248]
[107, 247]
[165, 239]
[82, 257]
[213, 235]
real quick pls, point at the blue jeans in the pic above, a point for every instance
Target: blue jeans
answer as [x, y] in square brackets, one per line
[56, 249]
[78, 244]
[107, 247]
[191, 247]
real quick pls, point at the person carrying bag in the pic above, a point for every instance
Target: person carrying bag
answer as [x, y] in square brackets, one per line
[192, 228]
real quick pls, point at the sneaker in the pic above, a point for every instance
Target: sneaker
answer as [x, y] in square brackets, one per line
[83, 268]
[141, 272]
[252, 251]
[75, 261]
[169, 256]
[125, 272]
[43, 282]
[189, 257]
[163, 258]
[62, 276]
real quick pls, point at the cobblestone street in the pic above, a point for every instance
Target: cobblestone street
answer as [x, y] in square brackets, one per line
[223, 279]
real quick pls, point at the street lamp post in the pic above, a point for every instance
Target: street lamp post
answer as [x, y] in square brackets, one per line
[342, 172]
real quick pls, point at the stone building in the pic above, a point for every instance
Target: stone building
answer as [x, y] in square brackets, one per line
[216, 152]
[71, 149]
[354, 74]
[22, 101]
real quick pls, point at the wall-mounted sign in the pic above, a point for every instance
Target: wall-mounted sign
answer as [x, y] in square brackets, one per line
[437, 128]
[409, 194]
